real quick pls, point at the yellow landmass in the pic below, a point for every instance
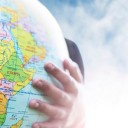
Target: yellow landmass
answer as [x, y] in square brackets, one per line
[1, 76]
[18, 124]
[28, 45]
[3, 103]
[6, 50]
[20, 85]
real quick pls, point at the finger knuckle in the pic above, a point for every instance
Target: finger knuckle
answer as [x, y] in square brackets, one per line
[45, 86]
[43, 106]
[66, 80]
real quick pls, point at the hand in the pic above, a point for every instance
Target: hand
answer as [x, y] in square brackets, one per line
[67, 109]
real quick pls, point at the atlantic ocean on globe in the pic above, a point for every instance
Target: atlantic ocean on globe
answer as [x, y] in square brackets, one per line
[29, 37]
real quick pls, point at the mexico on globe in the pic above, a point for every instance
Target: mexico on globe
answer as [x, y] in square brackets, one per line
[29, 38]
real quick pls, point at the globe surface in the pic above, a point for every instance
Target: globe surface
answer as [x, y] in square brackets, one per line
[29, 37]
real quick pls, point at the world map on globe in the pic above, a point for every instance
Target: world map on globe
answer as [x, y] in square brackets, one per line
[27, 42]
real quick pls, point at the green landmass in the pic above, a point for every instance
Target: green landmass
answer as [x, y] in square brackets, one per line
[13, 70]
[2, 119]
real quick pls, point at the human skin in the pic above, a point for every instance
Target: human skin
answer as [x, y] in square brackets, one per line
[67, 109]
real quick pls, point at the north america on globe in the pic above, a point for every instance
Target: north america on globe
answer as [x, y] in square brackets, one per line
[27, 42]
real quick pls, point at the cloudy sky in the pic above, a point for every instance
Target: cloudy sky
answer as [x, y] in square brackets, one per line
[100, 29]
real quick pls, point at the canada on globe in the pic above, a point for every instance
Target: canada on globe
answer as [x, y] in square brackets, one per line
[29, 37]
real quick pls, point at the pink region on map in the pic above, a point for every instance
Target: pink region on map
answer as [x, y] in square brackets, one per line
[34, 59]
[25, 23]
[6, 88]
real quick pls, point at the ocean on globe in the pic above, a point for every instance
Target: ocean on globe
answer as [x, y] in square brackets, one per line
[29, 37]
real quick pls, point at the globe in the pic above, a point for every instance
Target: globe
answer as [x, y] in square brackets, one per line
[29, 37]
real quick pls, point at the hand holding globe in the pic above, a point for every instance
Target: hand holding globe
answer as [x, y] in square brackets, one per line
[67, 109]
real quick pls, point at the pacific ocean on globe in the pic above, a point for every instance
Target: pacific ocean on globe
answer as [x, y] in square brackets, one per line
[29, 37]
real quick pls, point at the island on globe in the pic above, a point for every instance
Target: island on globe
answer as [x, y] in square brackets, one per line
[29, 37]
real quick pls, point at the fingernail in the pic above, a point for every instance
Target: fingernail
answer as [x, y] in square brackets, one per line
[49, 66]
[37, 83]
[34, 104]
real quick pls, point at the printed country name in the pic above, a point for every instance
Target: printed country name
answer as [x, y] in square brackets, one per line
[13, 73]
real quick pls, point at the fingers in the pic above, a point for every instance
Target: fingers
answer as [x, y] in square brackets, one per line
[73, 70]
[67, 81]
[58, 96]
[53, 112]
[64, 101]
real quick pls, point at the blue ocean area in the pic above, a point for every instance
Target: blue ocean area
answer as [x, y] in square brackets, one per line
[4, 17]
[7, 3]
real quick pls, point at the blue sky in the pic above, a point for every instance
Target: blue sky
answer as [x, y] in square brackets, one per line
[100, 29]
[71, 2]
